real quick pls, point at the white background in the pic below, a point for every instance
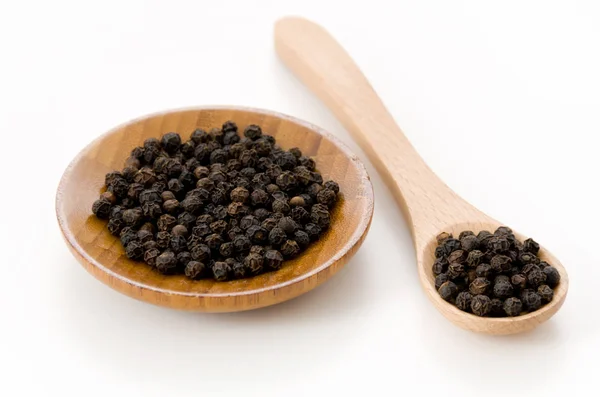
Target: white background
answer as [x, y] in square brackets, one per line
[500, 98]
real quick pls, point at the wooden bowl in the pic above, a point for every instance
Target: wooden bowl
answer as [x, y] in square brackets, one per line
[102, 255]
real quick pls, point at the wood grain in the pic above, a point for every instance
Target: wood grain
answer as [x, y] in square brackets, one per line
[103, 256]
[429, 205]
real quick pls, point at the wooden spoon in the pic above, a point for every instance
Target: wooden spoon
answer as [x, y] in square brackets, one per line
[102, 255]
[430, 207]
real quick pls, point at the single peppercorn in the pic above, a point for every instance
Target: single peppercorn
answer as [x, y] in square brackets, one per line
[469, 243]
[531, 300]
[545, 292]
[440, 279]
[481, 305]
[273, 259]
[503, 289]
[178, 243]
[458, 256]
[195, 270]
[450, 245]
[463, 301]
[101, 208]
[277, 236]
[183, 258]
[254, 263]
[241, 243]
[166, 222]
[474, 258]
[302, 238]
[221, 271]
[213, 241]
[290, 248]
[456, 270]
[150, 256]
[283, 207]
[326, 197]
[552, 276]
[448, 290]
[201, 253]
[239, 194]
[479, 286]
[513, 306]
[536, 277]
[439, 266]
[166, 262]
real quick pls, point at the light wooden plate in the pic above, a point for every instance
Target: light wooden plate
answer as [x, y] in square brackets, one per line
[103, 256]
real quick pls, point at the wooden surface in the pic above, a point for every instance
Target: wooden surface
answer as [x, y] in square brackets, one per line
[428, 204]
[103, 256]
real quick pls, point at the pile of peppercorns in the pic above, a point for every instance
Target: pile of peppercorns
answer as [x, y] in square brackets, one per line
[493, 274]
[218, 205]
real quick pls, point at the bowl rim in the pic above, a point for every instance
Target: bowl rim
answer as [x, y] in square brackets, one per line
[355, 238]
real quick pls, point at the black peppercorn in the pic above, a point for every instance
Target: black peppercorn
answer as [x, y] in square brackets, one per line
[101, 208]
[273, 259]
[320, 216]
[226, 250]
[545, 292]
[221, 271]
[519, 281]
[170, 142]
[213, 241]
[166, 262]
[469, 243]
[313, 231]
[150, 256]
[290, 248]
[448, 290]
[481, 305]
[439, 266]
[237, 268]
[257, 234]
[283, 207]
[254, 263]
[183, 258]
[277, 236]
[440, 279]
[302, 238]
[536, 277]
[463, 301]
[134, 250]
[531, 300]
[503, 289]
[201, 253]
[195, 270]
[241, 243]
[474, 258]
[513, 306]
[456, 270]
[479, 286]
[450, 245]
[178, 243]
[218, 227]
[552, 276]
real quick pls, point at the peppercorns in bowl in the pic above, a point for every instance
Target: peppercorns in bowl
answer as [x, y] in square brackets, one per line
[491, 274]
[215, 209]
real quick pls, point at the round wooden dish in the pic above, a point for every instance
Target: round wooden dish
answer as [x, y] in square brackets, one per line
[103, 256]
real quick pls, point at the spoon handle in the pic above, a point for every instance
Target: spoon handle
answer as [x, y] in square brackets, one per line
[325, 67]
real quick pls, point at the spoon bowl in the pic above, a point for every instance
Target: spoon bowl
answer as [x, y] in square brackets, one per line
[429, 206]
[102, 255]
[488, 325]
